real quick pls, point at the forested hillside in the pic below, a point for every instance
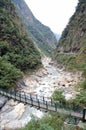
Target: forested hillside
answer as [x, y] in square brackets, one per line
[17, 51]
[71, 48]
[73, 39]
[74, 36]
[41, 34]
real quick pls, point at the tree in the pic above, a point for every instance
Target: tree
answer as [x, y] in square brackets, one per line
[8, 74]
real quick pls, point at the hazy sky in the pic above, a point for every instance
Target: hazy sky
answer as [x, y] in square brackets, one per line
[53, 13]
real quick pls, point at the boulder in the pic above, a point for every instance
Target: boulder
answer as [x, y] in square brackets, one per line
[19, 109]
[13, 114]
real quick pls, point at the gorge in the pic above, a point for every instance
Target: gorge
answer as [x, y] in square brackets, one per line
[42, 82]
[32, 61]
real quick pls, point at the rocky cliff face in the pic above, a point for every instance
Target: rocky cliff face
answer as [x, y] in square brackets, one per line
[71, 48]
[41, 34]
[74, 36]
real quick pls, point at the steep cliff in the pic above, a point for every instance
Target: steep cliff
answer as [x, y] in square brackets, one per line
[73, 39]
[17, 51]
[74, 36]
[41, 34]
[71, 49]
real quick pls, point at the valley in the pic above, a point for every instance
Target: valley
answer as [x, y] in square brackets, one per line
[50, 78]
[32, 61]
[42, 82]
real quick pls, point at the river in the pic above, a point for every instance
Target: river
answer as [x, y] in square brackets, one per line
[43, 82]
[49, 78]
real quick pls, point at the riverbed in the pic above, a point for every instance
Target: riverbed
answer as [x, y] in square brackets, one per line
[50, 78]
[43, 82]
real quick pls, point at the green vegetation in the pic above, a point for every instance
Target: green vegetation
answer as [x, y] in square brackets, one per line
[76, 62]
[71, 48]
[67, 60]
[8, 74]
[49, 122]
[57, 96]
[41, 34]
[74, 35]
[80, 99]
[72, 62]
[17, 51]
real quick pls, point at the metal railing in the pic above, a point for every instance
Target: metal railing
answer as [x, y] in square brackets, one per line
[44, 103]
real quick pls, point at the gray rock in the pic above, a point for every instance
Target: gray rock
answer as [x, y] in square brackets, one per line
[3, 100]
[13, 125]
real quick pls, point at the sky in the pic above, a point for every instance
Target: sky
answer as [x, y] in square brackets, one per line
[53, 13]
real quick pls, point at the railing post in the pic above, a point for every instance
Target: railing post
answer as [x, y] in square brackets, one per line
[31, 102]
[31, 99]
[30, 96]
[51, 101]
[83, 118]
[38, 104]
[46, 106]
[60, 104]
[15, 94]
[55, 107]
[75, 119]
[10, 93]
[25, 97]
[20, 96]
[44, 100]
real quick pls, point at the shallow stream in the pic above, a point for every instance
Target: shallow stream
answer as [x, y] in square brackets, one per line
[42, 82]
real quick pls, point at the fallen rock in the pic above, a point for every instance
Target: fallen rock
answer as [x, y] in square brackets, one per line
[19, 109]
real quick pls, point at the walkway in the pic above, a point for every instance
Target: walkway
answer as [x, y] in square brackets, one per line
[41, 103]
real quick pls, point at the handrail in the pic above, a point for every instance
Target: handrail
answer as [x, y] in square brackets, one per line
[41, 103]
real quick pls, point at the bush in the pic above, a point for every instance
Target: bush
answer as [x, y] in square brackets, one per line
[57, 96]
[48, 122]
[8, 74]
[80, 99]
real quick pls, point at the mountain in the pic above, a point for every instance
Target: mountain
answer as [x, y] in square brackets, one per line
[41, 34]
[74, 35]
[71, 50]
[17, 51]
[73, 39]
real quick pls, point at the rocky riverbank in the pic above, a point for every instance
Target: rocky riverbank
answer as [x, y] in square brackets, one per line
[15, 115]
[49, 78]
[43, 82]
